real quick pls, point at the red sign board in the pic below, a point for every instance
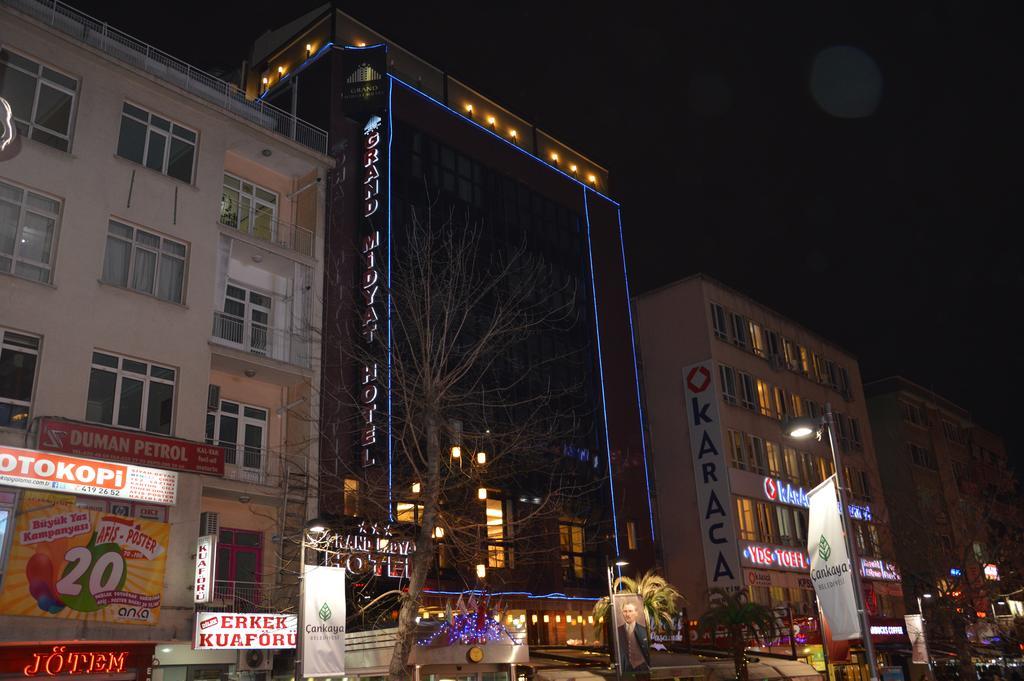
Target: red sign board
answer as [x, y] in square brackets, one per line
[112, 444]
[71, 659]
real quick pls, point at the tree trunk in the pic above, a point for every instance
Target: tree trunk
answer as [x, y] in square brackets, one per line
[963, 647]
[422, 560]
[739, 652]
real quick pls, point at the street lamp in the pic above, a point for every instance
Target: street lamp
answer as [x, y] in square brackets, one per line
[924, 632]
[610, 624]
[804, 427]
[314, 529]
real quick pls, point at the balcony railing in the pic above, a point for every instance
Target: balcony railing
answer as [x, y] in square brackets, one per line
[261, 340]
[267, 228]
[162, 65]
[229, 596]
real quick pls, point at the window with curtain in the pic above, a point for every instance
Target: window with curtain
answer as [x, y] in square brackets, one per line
[145, 262]
[28, 232]
[248, 208]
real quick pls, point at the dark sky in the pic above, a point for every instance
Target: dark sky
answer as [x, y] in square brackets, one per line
[856, 167]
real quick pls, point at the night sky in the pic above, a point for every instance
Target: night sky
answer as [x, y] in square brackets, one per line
[856, 168]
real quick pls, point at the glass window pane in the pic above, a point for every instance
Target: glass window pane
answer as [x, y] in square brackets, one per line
[33, 272]
[133, 366]
[17, 371]
[253, 413]
[174, 248]
[36, 238]
[147, 239]
[172, 275]
[11, 338]
[8, 226]
[129, 411]
[141, 114]
[42, 203]
[179, 164]
[161, 123]
[131, 143]
[60, 79]
[104, 360]
[13, 416]
[184, 133]
[161, 408]
[229, 407]
[161, 372]
[53, 109]
[100, 404]
[247, 538]
[144, 270]
[228, 430]
[115, 263]
[19, 90]
[155, 151]
[246, 567]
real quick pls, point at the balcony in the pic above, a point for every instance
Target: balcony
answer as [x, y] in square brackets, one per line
[265, 227]
[127, 49]
[261, 340]
[230, 596]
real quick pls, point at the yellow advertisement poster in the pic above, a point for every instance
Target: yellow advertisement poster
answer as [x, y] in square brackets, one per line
[77, 563]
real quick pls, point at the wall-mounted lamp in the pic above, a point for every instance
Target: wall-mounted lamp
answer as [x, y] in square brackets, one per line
[481, 458]
[481, 570]
[481, 493]
[415, 488]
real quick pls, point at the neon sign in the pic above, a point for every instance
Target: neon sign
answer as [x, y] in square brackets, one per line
[372, 549]
[774, 556]
[786, 493]
[885, 630]
[872, 568]
[205, 556]
[369, 284]
[991, 572]
[7, 122]
[59, 662]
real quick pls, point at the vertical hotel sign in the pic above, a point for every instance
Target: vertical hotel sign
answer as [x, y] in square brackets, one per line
[364, 99]
[711, 479]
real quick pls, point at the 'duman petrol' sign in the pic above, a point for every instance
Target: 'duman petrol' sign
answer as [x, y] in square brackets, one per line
[711, 478]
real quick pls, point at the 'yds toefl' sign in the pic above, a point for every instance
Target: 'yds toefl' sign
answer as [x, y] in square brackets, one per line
[711, 479]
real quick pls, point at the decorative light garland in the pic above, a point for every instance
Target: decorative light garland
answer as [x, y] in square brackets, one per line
[479, 628]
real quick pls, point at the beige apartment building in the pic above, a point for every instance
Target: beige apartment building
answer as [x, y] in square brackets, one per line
[161, 241]
[721, 372]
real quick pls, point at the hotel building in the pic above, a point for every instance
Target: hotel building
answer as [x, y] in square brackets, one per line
[721, 372]
[161, 250]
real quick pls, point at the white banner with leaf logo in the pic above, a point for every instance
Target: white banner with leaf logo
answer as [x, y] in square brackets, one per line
[323, 621]
[915, 631]
[831, 570]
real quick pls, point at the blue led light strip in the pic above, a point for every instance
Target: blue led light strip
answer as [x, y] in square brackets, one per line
[636, 373]
[502, 139]
[600, 366]
[391, 508]
[527, 594]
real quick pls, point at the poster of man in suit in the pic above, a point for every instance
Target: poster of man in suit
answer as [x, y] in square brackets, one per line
[632, 632]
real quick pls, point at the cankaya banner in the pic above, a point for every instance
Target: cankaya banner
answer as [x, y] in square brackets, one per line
[83, 439]
[831, 570]
[74, 563]
[31, 469]
[222, 631]
[711, 478]
[915, 631]
[323, 621]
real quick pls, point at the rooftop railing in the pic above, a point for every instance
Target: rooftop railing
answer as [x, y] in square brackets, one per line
[162, 65]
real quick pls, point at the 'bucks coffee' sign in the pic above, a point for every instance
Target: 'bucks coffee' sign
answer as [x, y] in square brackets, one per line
[832, 572]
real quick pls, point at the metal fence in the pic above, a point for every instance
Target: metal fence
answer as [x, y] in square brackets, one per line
[272, 230]
[162, 65]
[230, 596]
[261, 340]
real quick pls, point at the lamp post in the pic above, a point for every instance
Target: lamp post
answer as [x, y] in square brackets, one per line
[924, 633]
[611, 617]
[316, 528]
[802, 428]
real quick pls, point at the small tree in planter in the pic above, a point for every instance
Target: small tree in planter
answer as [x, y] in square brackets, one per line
[659, 597]
[742, 619]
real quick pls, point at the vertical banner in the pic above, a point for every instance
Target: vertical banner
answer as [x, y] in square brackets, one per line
[831, 571]
[711, 478]
[915, 630]
[72, 563]
[323, 621]
[633, 634]
[206, 557]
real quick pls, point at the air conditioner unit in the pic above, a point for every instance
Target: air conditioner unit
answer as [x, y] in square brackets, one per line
[213, 397]
[208, 524]
[255, 660]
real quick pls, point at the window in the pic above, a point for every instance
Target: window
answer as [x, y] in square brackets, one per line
[855, 438]
[825, 467]
[811, 470]
[19, 355]
[832, 374]
[631, 535]
[766, 531]
[844, 382]
[246, 319]
[747, 394]
[571, 541]
[798, 405]
[129, 393]
[791, 461]
[792, 354]
[727, 377]
[739, 331]
[156, 143]
[41, 99]
[248, 208]
[409, 512]
[811, 408]
[239, 565]
[497, 533]
[739, 457]
[951, 431]
[28, 232]
[843, 430]
[241, 429]
[764, 398]
[922, 457]
[912, 413]
[6, 525]
[859, 483]
[745, 519]
[787, 526]
[781, 403]
[805, 361]
[758, 460]
[774, 348]
[718, 321]
[773, 454]
[351, 496]
[144, 262]
[756, 339]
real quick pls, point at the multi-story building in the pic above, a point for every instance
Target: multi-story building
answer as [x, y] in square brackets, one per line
[407, 134]
[721, 372]
[161, 243]
[955, 505]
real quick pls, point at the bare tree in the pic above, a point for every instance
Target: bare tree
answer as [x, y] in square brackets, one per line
[465, 308]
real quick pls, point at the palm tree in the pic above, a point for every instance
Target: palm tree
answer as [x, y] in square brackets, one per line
[741, 618]
[660, 599]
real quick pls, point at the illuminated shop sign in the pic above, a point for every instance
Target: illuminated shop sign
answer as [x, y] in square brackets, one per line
[873, 568]
[32, 469]
[372, 549]
[887, 630]
[226, 631]
[206, 554]
[711, 478]
[991, 572]
[786, 493]
[762, 555]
